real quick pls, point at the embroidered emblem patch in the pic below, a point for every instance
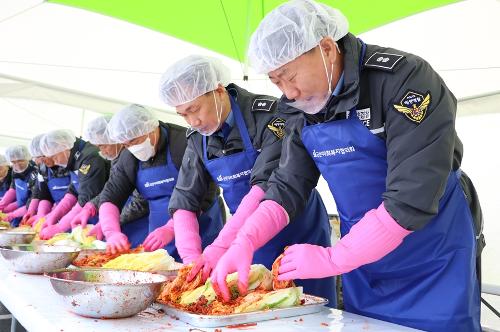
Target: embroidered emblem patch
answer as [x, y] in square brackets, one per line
[277, 126]
[84, 169]
[414, 106]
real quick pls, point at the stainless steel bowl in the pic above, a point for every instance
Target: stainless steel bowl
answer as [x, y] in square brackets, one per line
[103, 293]
[28, 258]
[11, 237]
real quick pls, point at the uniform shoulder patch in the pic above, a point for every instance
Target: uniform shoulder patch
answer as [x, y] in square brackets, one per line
[263, 104]
[189, 132]
[414, 105]
[383, 61]
[277, 127]
[84, 169]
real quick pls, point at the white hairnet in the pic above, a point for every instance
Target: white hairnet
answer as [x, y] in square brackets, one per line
[131, 122]
[292, 29]
[34, 146]
[97, 131]
[57, 141]
[17, 152]
[3, 160]
[191, 77]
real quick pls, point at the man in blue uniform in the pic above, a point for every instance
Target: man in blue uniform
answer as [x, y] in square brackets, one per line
[151, 165]
[378, 125]
[235, 140]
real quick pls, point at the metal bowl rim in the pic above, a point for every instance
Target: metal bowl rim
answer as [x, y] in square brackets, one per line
[6, 248]
[12, 232]
[47, 274]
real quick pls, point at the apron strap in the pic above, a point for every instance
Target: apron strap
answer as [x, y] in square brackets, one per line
[352, 112]
[240, 122]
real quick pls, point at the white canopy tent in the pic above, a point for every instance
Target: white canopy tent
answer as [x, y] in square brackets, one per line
[52, 47]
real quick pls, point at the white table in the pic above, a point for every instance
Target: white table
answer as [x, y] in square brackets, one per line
[31, 299]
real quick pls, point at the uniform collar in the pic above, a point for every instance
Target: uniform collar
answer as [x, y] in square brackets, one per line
[339, 86]
[74, 153]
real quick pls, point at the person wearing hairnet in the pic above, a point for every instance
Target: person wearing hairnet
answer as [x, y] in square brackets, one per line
[88, 171]
[18, 197]
[5, 175]
[378, 125]
[134, 215]
[151, 165]
[52, 183]
[236, 141]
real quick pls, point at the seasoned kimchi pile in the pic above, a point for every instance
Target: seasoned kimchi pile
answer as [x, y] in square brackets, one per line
[101, 258]
[200, 298]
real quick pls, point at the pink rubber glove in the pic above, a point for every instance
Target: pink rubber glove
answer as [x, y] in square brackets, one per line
[44, 208]
[11, 207]
[31, 211]
[97, 231]
[48, 232]
[109, 219]
[267, 221]
[187, 235]
[60, 210]
[16, 213]
[87, 212]
[160, 237]
[214, 251]
[62, 226]
[8, 197]
[369, 240]
[32, 208]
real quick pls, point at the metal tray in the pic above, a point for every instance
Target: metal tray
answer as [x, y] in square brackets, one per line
[311, 305]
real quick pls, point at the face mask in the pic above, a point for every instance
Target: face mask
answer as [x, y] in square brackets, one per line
[219, 115]
[143, 151]
[314, 104]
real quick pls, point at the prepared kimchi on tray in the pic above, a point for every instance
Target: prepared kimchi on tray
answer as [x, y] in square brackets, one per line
[200, 298]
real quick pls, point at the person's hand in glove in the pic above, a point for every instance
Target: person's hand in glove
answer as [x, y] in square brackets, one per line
[16, 213]
[48, 232]
[109, 218]
[62, 208]
[369, 240]
[265, 223]
[62, 226]
[97, 232]
[88, 211]
[160, 237]
[215, 250]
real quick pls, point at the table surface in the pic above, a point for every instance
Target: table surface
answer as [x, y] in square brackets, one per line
[31, 299]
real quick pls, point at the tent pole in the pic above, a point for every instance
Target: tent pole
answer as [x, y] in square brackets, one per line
[247, 40]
